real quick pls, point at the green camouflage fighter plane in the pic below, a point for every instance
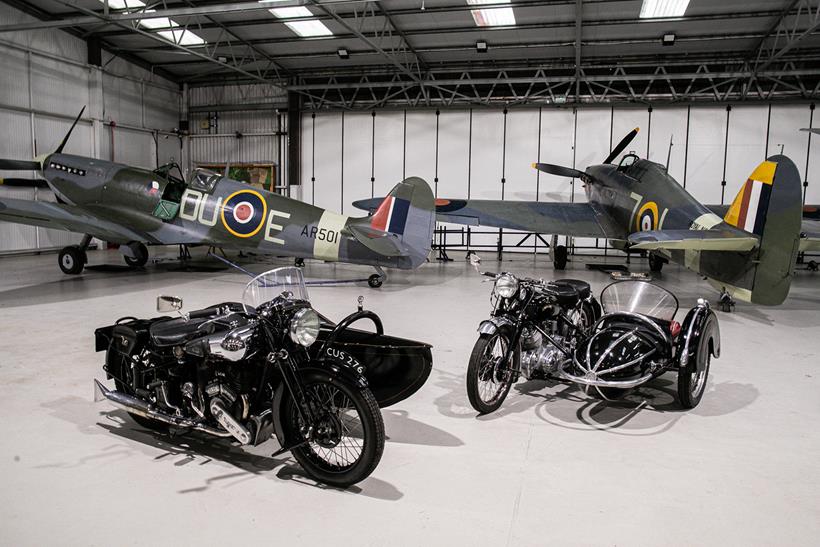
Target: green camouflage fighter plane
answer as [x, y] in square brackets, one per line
[132, 207]
[748, 254]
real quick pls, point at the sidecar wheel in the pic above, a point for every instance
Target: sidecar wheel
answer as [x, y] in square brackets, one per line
[347, 441]
[487, 386]
[692, 385]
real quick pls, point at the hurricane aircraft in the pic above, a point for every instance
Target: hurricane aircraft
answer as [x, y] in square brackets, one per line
[748, 253]
[133, 207]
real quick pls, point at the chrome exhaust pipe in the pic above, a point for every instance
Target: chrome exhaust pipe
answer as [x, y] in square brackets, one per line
[226, 420]
[133, 405]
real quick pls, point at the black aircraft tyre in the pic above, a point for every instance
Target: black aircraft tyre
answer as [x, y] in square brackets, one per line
[123, 380]
[487, 384]
[72, 260]
[375, 281]
[692, 385]
[655, 263]
[140, 256]
[559, 260]
[348, 440]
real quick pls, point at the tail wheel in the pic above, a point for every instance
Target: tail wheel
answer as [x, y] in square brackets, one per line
[692, 385]
[655, 263]
[346, 442]
[140, 258]
[488, 378]
[72, 260]
[559, 260]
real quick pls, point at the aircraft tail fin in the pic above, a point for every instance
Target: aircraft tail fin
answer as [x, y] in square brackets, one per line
[770, 206]
[403, 224]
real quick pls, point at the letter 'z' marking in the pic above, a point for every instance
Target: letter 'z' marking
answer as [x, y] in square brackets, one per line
[328, 248]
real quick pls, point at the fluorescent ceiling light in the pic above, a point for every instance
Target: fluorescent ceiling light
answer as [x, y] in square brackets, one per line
[492, 17]
[307, 28]
[176, 35]
[663, 8]
[288, 13]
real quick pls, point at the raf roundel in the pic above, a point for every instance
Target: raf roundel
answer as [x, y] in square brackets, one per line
[648, 217]
[243, 213]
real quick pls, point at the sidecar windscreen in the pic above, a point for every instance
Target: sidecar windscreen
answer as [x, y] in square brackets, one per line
[395, 368]
[287, 282]
[639, 297]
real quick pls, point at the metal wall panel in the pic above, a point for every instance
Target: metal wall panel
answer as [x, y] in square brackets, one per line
[358, 148]
[135, 148]
[389, 146]
[557, 147]
[14, 237]
[707, 135]
[420, 146]
[221, 149]
[14, 90]
[669, 123]
[328, 189]
[58, 86]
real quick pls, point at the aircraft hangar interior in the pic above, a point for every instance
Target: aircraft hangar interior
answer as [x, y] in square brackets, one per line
[409, 272]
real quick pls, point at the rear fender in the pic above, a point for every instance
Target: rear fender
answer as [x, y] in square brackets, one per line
[700, 327]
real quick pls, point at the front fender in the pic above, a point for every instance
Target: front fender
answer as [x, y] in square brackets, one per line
[326, 366]
[700, 327]
[494, 324]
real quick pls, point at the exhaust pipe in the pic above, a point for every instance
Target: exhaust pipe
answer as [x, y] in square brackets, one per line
[133, 405]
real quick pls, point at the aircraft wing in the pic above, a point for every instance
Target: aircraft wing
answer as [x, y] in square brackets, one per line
[63, 217]
[699, 240]
[571, 219]
[810, 235]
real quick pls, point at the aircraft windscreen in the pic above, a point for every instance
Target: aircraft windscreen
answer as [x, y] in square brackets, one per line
[166, 171]
[204, 180]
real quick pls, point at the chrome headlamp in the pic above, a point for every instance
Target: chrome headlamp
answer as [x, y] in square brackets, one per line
[506, 286]
[304, 327]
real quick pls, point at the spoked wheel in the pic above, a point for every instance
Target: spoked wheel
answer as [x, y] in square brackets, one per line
[488, 379]
[123, 380]
[346, 442]
[691, 385]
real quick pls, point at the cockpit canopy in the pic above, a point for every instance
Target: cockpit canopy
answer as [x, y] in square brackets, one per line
[204, 180]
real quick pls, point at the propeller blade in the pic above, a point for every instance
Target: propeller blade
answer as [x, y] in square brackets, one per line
[621, 145]
[20, 165]
[24, 183]
[558, 170]
[65, 139]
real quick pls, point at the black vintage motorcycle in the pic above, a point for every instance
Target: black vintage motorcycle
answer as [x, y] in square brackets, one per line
[533, 327]
[269, 365]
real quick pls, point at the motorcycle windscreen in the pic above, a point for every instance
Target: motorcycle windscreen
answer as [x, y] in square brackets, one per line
[395, 368]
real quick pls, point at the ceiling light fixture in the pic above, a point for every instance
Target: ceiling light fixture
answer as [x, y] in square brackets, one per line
[343, 53]
[668, 39]
[492, 17]
[306, 28]
[481, 46]
[663, 8]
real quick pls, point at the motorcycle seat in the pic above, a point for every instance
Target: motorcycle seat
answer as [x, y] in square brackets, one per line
[583, 288]
[176, 331]
[565, 295]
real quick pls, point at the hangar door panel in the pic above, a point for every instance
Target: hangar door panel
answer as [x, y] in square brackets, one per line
[453, 161]
[389, 151]
[625, 120]
[308, 155]
[669, 124]
[485, 161]
[557, 139]
[521, 150]
[747, 145]
[592, 138]
[358, 148]
[420, 149]
[328, 167]
[707, 126]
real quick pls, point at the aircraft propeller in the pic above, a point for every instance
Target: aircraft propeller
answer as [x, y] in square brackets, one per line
[37, 163]
[561, 171]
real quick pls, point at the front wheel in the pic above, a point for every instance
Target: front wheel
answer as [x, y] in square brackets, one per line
[488, 378]
[345, 443]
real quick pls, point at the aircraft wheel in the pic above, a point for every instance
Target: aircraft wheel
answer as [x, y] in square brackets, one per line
[560, 258]
[299, 262]
[812, 265]
[655, 263]
[72, 260]
[141, 258]
[375, 281]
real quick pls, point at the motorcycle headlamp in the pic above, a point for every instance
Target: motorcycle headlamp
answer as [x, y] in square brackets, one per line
[506, 286]
[304, 327]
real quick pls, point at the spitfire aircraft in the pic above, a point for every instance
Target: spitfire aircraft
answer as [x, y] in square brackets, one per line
[749, 253]
[135, 207]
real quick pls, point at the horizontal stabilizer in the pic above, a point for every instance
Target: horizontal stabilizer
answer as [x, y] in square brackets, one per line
[696, 240]
[383, 243]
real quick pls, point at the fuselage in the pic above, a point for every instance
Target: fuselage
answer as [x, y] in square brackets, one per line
[207, 209]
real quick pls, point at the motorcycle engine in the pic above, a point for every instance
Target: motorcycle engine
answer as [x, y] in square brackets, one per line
[538, 356]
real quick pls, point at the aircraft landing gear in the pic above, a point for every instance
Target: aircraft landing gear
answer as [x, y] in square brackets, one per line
[656, 263]
[812, 266]
[726, 302]
[377, 279]
[559, 259]
[299, 262]
[72, 259]
[140, 252]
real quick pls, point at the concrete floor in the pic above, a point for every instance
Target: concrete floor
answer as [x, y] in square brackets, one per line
[550, 467]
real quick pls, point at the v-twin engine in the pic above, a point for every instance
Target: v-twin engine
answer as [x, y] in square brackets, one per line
[539, 357]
